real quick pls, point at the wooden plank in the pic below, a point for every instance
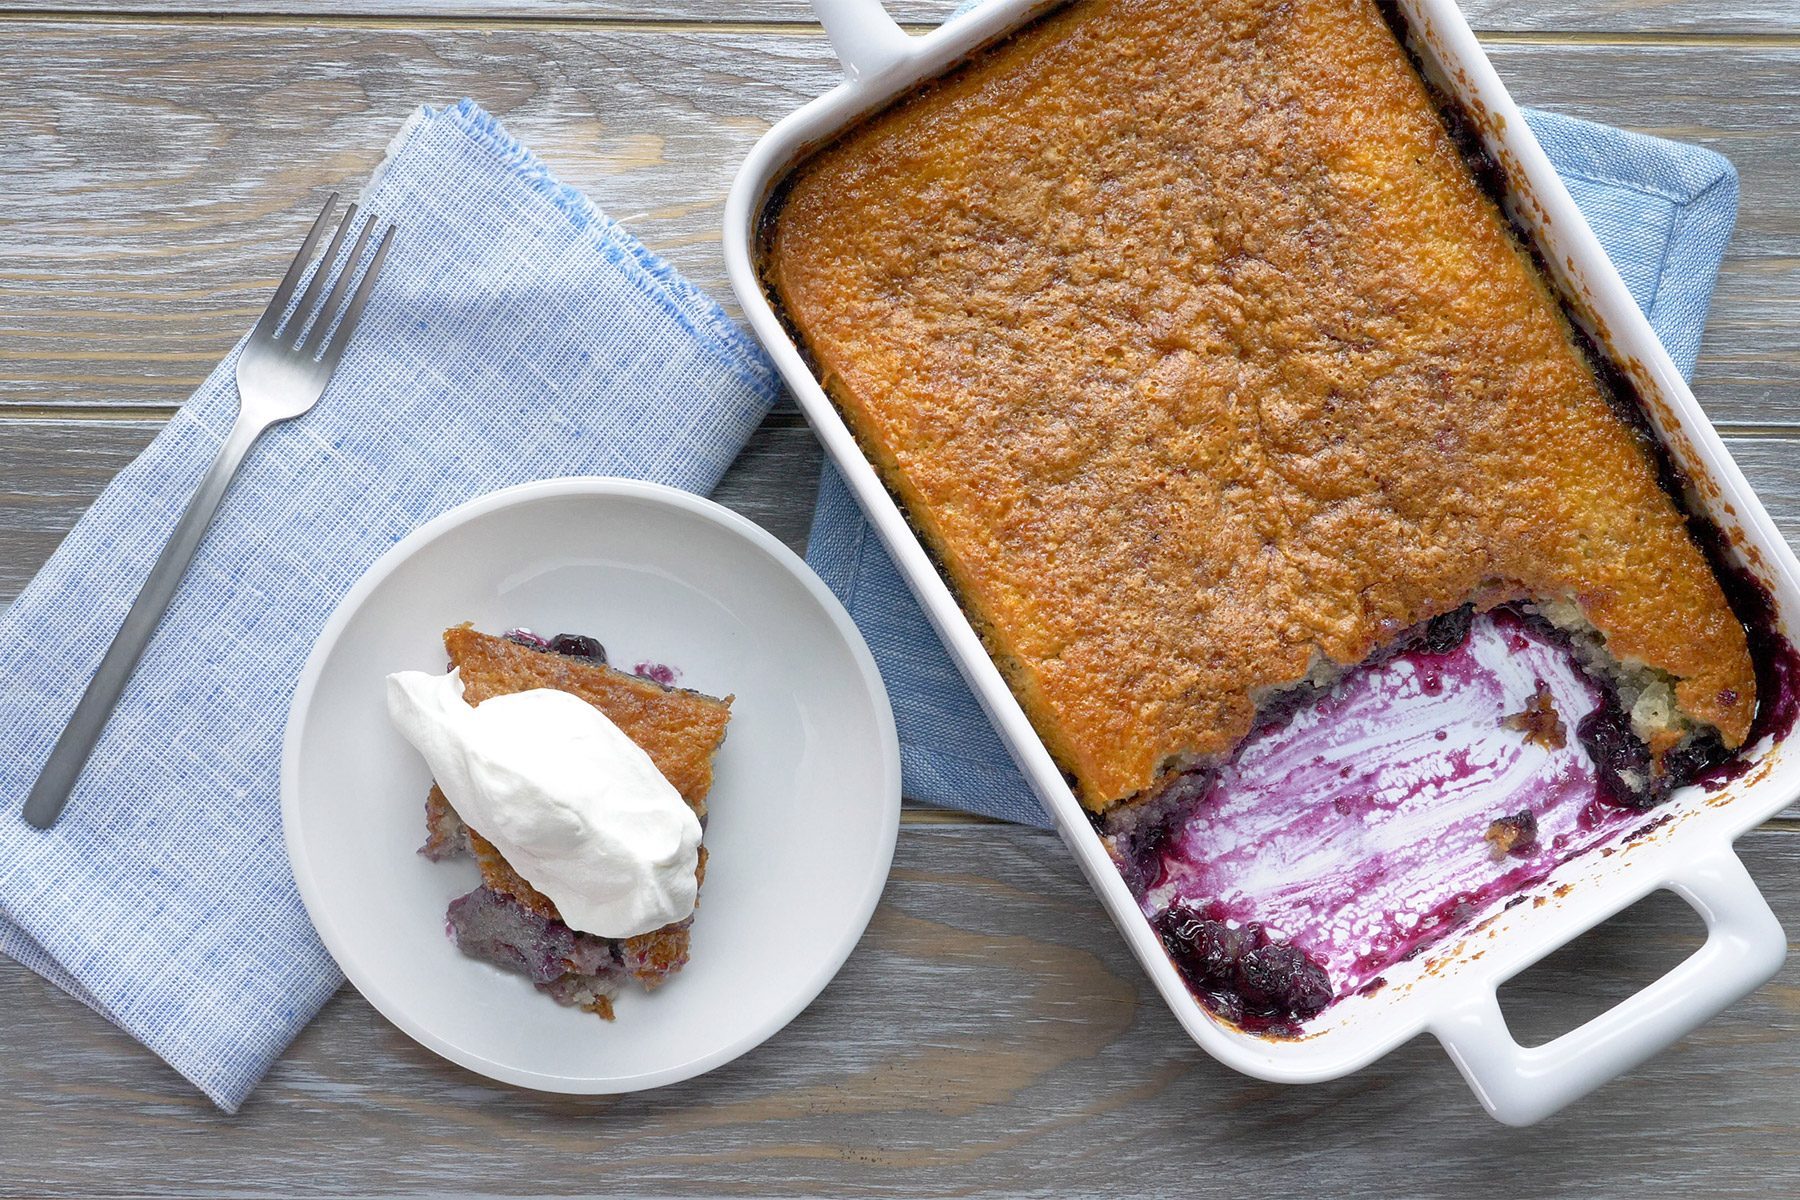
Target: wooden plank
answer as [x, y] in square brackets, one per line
[51, 470]
[1553, 16]
[990, 1035]
[158, 172]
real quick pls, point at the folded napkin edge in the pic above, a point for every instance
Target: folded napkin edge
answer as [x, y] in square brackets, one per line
[697, 312]
[39, 938]
[1590, 150]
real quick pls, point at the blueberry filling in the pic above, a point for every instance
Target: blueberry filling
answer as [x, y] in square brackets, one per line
[1241, 973]
[577, 645]
[1449, 631]
[1138, 846]
[570, 645]
[1699, 754]
[1621, 759]
[497, 929]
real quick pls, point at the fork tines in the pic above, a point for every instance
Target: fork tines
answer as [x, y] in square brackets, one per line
[322, 329]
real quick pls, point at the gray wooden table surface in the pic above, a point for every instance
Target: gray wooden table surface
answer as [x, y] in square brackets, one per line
[990, 1035]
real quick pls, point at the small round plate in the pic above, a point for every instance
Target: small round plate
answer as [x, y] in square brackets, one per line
[803, 813]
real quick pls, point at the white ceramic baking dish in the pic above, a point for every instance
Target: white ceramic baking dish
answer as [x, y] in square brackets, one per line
[1449, 991]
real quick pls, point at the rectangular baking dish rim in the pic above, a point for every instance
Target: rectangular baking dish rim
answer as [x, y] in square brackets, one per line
[882, 63]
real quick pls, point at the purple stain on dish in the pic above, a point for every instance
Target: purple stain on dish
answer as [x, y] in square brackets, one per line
[1355, 832]
[657, 673]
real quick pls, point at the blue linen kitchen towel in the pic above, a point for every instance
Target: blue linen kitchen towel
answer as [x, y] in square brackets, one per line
[1662, 210]
[516, 334]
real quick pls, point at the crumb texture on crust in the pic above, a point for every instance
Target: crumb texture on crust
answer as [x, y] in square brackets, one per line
[1196, 354]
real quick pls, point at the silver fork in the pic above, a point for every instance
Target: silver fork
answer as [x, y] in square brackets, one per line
[281, 373]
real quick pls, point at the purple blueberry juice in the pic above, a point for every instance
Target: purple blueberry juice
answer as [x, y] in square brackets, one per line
[1411, 798]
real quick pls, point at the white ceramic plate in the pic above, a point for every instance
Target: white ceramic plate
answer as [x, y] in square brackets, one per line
[803, 812]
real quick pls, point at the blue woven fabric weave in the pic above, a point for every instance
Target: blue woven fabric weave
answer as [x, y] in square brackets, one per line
[1664, 212]
[516, 334]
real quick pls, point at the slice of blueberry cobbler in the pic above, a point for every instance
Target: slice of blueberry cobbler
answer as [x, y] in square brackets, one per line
[507, 922]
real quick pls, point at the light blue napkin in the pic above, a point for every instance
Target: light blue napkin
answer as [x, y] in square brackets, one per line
[516, 334]
[1664, 212]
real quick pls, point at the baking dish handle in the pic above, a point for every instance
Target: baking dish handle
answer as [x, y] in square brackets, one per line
[1744, 948]
[866, 40]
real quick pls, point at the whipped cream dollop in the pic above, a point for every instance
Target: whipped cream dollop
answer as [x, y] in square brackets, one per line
[575, 806]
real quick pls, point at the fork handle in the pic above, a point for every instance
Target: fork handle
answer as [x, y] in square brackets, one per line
[70, 754]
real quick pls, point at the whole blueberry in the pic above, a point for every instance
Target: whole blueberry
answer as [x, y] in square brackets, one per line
[1228, 1005]
[577, 645]
[1205, 949]
[1621, 760]
[1278, 978]
[1217, 949]
[1450, 630]
[1180, 924]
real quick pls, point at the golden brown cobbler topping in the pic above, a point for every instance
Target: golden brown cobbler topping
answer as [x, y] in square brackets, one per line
[1196, 354]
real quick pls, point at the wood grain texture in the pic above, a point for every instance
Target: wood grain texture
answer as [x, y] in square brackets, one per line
[1607, 16]
[51, 470]
[989, 1034]
[160, 171]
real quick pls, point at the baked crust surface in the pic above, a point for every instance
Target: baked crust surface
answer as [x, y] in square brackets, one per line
[1196, 354]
